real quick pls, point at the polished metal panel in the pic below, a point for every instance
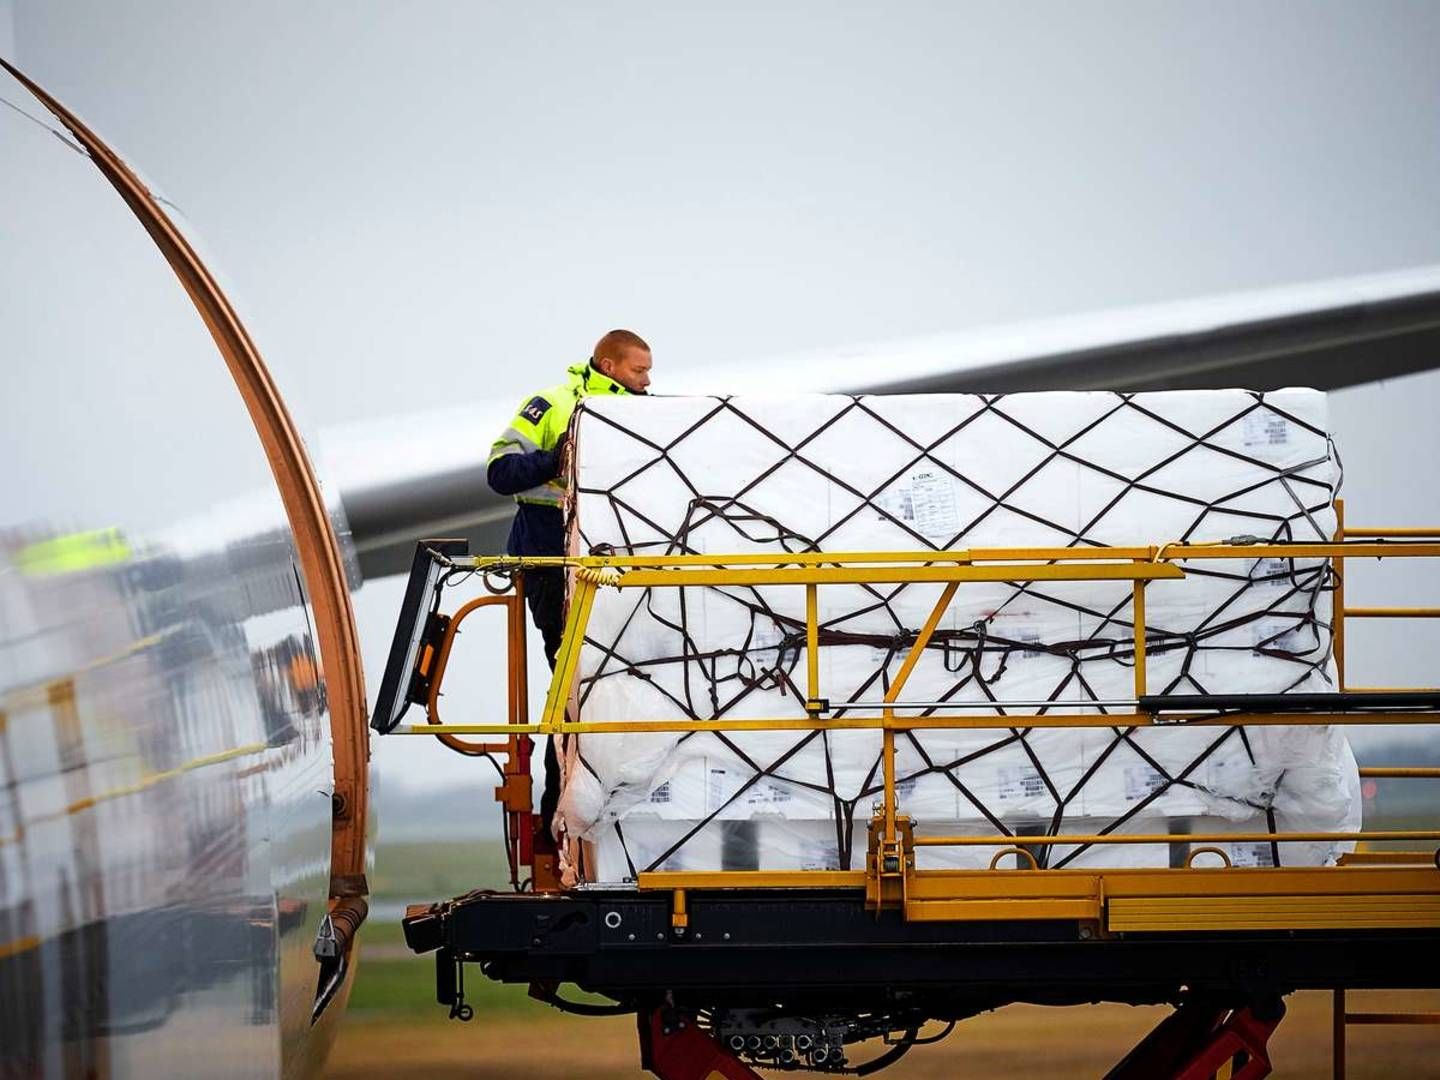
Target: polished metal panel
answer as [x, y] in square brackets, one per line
[165, 755]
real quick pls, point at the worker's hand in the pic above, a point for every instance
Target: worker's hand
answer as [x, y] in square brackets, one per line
[561, 454]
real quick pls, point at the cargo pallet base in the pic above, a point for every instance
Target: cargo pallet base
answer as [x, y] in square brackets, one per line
[727, 970]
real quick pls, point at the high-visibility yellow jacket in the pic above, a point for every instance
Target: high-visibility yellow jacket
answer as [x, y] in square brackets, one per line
[74, 553]
[525, 460]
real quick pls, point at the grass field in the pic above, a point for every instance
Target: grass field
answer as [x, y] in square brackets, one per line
[423, 871]
[394, 1028]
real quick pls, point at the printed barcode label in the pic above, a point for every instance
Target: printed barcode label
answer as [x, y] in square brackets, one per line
[1140, 781]
[766, 794]
[1251, 855]
[897, 503]
[722, 787]
[1019, 782]
[1265, 428]
[1030, 637]
[1272, 572]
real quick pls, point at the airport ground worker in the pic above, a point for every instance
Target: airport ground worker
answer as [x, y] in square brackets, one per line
[527, 460]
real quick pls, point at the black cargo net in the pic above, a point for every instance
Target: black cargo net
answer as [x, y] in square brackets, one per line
[768, 657]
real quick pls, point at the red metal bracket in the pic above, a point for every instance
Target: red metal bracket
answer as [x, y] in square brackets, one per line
[674, 1047]
[1200, 1038]
[1241, 1041]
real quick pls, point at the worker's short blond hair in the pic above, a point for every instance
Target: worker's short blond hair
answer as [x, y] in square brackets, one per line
[614, 344]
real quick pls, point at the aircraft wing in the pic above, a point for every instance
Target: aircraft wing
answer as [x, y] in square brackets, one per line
[1325, 334]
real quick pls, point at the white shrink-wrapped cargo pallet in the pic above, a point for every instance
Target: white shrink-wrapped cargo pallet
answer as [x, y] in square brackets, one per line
[936, 472]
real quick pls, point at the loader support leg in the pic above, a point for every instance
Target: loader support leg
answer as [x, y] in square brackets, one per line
[1202, 1039]
[1239, 1045]
[673, 1047]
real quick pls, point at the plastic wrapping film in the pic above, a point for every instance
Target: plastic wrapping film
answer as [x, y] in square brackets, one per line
[936, 472]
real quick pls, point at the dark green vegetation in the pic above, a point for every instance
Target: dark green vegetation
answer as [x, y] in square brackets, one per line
[421, 871]
[394, 981]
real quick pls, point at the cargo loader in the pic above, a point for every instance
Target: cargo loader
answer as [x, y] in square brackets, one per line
[843, 971]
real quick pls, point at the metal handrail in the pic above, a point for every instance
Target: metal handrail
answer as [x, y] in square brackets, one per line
[810, 570]
[1085, 840]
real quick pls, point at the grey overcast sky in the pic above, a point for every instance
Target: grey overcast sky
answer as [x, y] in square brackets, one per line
[426, 202]
[485, 187]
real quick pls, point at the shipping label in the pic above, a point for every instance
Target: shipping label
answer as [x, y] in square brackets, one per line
[1278, 633]
[924, 500]
[723, 784]
[1019, 782]
[1265, 428]
[1030, 638]
[766, 793]
[818, 856]
[1272, 572]
[1251, 855]
[897, 502]
[937, 514]
[1142, 781]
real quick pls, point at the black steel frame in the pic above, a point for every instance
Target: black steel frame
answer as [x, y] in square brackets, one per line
[822, 949]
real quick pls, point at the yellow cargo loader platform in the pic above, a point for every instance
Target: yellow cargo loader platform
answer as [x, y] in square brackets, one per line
[727, 971]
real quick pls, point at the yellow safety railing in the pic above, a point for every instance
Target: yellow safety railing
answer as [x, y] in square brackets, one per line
[1402, 538]
[813, 570]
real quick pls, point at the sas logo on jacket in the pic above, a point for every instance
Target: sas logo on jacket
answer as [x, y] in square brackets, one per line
[535, 409]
